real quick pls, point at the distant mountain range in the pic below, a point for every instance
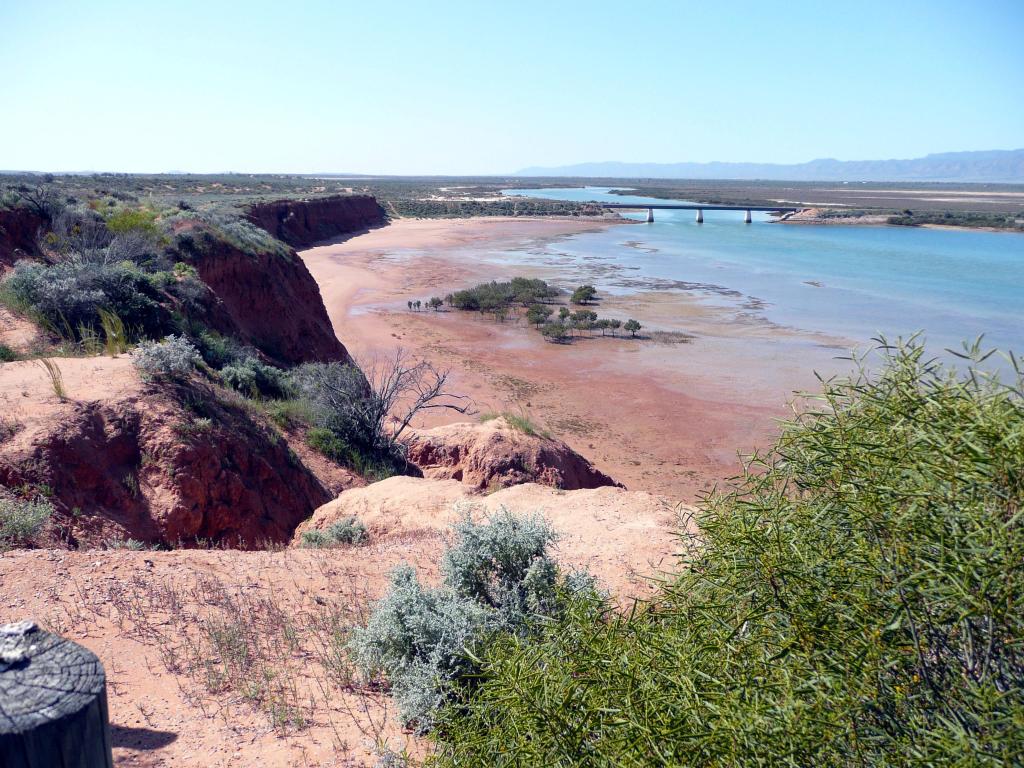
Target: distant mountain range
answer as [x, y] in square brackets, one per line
[996, 166]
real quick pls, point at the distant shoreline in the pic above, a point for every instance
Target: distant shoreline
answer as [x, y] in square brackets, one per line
[813, 217]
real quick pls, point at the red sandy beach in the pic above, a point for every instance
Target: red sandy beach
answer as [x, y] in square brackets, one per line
[667, 414]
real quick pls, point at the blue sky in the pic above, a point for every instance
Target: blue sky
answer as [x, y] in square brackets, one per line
[489, 87]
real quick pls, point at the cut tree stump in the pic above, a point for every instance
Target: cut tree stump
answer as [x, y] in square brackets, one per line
[53, 702]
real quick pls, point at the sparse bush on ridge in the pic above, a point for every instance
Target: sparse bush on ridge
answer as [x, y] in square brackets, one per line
[21, 521]
[854, 600]
[55, 376]
[497, 577]
[518, 421]
[349, 530]
[229, 228]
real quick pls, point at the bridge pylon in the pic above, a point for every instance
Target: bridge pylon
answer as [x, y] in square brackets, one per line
[746, 218]
[700, 215]
[650, 215]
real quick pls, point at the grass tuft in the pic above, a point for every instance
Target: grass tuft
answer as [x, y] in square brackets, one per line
[518, 421]
[56, 377]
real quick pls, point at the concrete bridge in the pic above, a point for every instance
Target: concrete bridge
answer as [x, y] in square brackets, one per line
[698, 208]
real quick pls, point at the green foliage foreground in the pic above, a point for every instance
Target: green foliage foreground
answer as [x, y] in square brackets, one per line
[856, 599]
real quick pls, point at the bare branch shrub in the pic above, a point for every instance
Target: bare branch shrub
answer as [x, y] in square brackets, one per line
[373, 407]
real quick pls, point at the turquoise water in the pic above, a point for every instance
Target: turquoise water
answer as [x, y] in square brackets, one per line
[854, 282]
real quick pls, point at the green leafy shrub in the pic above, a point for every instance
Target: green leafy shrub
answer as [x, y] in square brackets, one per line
[174, 357]
[315, 539]
[497, 577]
[7, 354]
[254, 378]
[129, 220]
[349, 530]
[21, 521]
[368, 463]
[183, 270]
[289, 413]
[336, 394]
[216, 350]
[855, 599]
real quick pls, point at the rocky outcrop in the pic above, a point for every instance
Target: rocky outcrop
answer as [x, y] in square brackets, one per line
[301, 223]
[18, 230]
[266, 298]
[496, 455]
[170, 464]
[615, 534]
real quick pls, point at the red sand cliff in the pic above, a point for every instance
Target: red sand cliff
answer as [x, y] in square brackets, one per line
[271, 299]
[272, 302]
[301, 223]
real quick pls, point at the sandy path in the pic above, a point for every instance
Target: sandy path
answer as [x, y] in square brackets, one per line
[665, 418]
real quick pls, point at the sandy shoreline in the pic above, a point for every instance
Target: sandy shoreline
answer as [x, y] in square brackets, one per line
[662, 417]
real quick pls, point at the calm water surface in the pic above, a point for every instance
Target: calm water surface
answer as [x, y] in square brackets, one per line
[854, 282]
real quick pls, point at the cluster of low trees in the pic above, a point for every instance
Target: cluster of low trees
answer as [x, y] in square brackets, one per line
[568, 323]
[536, 297]
[488, 297]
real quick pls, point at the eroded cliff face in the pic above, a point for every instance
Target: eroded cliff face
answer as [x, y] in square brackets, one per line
[301, 223]
[494, 455]
[18, 230]
[267, 299]
[168, 464]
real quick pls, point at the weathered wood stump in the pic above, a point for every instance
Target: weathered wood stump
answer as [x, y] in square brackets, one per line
[53, 702]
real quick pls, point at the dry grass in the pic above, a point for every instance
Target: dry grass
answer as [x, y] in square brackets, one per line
[56, 377]
[274, 649]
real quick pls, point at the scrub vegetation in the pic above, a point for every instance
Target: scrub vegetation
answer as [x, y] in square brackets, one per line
[536, 301]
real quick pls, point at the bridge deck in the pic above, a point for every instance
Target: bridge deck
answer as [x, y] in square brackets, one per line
[698, 207]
